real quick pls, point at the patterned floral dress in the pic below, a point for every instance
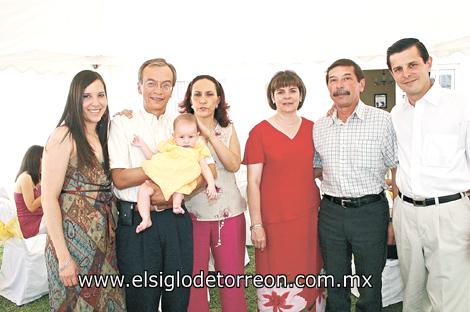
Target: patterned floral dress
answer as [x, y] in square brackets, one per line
[87, 219]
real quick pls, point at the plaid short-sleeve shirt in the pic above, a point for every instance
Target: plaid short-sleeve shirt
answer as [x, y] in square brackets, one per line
[355, 155]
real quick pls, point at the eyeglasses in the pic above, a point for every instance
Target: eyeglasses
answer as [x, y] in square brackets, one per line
[164, 86]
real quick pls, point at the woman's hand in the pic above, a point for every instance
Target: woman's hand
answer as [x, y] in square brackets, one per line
[68, 272]
[205, 131]
[126, 112]
[258, 237]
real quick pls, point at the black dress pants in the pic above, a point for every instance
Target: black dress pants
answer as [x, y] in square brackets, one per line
[162, 249]
[361, 231]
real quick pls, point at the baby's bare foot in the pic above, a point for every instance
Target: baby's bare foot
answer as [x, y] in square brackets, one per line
[178, 210]
[143, 225]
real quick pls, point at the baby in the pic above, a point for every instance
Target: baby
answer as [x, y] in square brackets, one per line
[174, 168]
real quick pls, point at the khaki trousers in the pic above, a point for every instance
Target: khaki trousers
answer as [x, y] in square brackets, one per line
[433, 244]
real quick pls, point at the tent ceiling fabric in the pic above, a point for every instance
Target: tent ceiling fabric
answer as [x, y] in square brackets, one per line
[59, 35]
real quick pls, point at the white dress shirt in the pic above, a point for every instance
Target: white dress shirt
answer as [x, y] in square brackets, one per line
[123, 154]
[433, 144]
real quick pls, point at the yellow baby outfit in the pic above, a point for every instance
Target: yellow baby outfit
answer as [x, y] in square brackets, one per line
[175, 168]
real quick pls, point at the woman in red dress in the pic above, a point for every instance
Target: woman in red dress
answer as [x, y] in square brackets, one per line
[283, 198]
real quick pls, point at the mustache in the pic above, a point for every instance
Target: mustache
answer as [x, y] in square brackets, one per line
[341, 91]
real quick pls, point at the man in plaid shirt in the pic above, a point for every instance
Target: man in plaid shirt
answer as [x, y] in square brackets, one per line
[355, 147]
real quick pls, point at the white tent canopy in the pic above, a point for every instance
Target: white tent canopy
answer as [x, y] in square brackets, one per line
[43, 43]
[221, 32]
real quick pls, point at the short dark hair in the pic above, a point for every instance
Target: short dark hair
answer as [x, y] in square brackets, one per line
[31, 163]
[346, 62]
[406, 43]
[220, 113]
[159, 62]
[282, 79]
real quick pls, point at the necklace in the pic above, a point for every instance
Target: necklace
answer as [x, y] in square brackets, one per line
[285, 123]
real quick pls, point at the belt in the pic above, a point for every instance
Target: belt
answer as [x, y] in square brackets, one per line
[431, 201]
[354, 202]
[133, 206]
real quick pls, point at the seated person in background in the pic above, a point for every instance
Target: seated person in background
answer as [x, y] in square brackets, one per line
[175, 167]
[28, 192]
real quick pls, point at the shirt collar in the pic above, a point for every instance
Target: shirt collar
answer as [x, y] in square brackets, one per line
[432, 96]
[359, 112]
[151, 117]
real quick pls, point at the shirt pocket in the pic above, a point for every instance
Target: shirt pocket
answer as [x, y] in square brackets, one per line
[440, 149]
[367, 153]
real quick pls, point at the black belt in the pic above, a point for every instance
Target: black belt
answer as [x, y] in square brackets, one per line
[130, 206]
[354, 202]
[431, 201]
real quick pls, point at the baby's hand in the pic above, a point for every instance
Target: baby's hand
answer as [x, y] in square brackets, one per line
[137, 141]
[211, 192]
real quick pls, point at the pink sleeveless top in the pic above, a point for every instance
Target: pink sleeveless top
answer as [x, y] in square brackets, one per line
[29, 221]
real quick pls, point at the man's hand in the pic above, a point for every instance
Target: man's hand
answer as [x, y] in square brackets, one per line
[157, 198]
[391, 234]
[125, 112]
[331, 111]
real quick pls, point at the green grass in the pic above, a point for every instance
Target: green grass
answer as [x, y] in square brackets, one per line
[42, 304]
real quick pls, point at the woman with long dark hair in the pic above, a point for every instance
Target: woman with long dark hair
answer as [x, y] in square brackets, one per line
[77, 201]
[28, 192]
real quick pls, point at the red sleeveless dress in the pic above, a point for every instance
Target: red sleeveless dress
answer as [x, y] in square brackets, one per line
[29, 221]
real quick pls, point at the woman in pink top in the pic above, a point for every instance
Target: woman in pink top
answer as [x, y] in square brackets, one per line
[28, 192]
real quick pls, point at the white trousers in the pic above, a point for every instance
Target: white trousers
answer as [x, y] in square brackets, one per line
[433, 244]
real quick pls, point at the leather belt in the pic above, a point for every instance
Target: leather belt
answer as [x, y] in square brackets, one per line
[355, 202]
[133, 206]
[431, 201]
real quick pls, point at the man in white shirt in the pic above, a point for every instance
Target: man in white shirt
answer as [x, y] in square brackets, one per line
[431, 216]
[167, 246]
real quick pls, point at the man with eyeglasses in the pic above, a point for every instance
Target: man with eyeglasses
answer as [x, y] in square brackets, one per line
[431, 216]
[166, 247]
